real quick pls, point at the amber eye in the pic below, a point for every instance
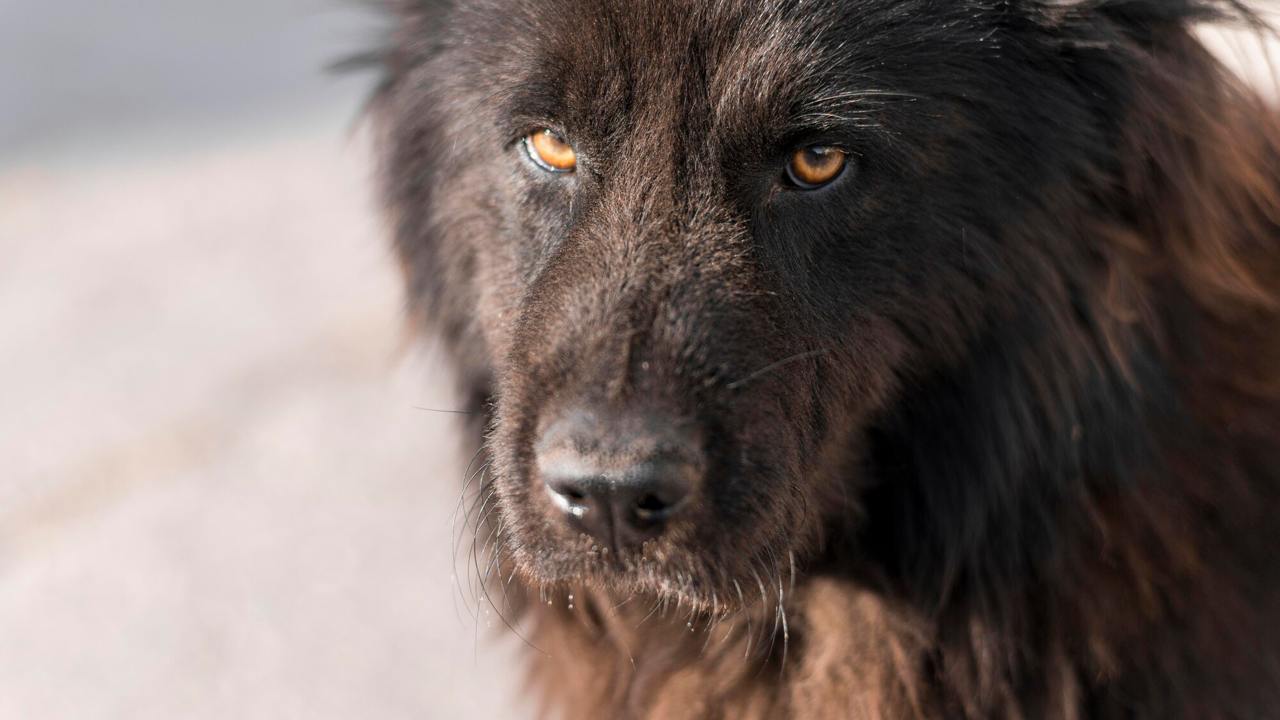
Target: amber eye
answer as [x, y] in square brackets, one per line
[550, 152]
[814, 166]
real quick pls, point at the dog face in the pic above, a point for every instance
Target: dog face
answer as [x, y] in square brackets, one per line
[690, 252]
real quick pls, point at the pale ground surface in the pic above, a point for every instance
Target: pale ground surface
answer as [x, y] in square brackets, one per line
[217, 500]
[216, 497]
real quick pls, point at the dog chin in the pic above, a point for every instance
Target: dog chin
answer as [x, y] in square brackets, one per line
[586, 563]
[660, 577]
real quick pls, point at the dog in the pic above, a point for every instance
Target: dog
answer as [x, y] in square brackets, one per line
[855, 358]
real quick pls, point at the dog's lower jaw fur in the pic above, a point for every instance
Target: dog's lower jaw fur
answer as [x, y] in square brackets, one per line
[632, 661]
[1143, 616]
[1145, 611]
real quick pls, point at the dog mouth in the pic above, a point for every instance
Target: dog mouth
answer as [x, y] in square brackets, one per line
[703, 504]
[692, 577]
[653, 529]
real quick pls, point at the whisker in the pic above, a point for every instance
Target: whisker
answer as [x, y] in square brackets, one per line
[656, 604]
[786, 633]
[791, 560]
[706, 643]
[764, 602]
[457, 543]
[625, 646]
[468, 478]
[472, 558]
[774, 366]
[447, 412]
[482, 581]
[742, 605]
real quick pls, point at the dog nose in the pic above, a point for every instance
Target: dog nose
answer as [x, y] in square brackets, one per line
[620, 480]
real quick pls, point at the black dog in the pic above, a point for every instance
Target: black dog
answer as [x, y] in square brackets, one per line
[860, 358]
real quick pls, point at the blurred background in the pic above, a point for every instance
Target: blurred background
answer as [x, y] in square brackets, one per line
[217, 496]
[217, 499]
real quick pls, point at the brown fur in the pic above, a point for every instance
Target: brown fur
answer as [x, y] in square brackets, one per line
[1112, 555]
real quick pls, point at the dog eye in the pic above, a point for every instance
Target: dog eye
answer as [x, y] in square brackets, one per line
[817, 165]
[550, 152]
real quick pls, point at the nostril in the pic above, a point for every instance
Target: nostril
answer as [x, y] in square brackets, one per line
[569, 496]
[621, 480]
[651, 503]
[652, 509]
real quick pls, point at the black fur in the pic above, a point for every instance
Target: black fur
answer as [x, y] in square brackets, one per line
[1001, 402]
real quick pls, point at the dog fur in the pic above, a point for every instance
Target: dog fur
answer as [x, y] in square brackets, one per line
[993, 421]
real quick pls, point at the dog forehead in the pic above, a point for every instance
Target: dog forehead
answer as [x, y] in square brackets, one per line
[603, 57]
